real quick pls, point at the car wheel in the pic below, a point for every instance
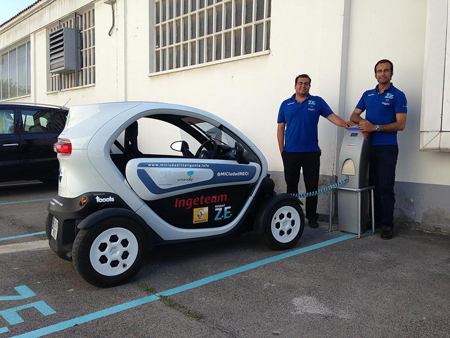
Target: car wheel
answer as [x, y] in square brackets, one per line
[284, 224]
[111, 252]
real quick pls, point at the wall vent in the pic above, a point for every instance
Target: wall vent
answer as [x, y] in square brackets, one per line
[64, 51]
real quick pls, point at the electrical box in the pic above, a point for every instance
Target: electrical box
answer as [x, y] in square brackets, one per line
[64, 51]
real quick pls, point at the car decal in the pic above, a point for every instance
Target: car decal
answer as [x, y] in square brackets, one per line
[161, 178]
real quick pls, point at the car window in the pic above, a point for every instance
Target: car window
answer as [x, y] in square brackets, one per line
[7, 121]
[43, 120]
[156, 136]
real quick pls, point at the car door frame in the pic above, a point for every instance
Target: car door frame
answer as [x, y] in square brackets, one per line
[10, 155]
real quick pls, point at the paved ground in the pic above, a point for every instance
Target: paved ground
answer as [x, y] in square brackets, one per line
[329, 285]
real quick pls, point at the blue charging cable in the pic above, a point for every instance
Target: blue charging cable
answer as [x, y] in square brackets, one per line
[323, 190]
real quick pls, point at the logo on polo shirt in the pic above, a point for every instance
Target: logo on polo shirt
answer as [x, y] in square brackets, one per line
[389, 96]
[311, 102]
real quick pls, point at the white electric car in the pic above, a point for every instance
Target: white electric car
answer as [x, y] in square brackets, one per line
[138, 174]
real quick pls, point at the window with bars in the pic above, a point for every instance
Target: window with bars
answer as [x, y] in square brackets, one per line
[15, 72]
[86, 76]
[194, 32]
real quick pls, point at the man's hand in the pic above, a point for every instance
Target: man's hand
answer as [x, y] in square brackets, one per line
[366, 126]
[349, 124]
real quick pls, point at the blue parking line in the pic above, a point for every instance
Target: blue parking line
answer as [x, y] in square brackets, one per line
[22, 236]
[148, 299]
[26, 201]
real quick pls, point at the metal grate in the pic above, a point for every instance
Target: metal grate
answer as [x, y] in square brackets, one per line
[192, 32]
[86, 75]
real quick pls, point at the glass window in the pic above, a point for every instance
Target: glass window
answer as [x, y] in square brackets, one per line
[6, 121]
[22, 70]
[43, 120]
[175, 136]
[86, 76]
[15, 72]
[4, 77]
[210, 26]
[12, 74]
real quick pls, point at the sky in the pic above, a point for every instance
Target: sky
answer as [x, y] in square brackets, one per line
[9, 8]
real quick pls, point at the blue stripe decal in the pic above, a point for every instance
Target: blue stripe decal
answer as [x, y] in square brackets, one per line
[28, 201]
[22, 236]
[4, 329]
[132, 304]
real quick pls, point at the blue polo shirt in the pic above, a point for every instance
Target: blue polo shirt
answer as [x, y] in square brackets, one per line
[381, 109]
[301, 121]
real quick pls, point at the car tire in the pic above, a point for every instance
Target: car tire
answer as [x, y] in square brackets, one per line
[111, 252]
[283, 224]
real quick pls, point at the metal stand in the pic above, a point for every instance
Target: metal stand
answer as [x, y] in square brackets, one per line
[358, 191]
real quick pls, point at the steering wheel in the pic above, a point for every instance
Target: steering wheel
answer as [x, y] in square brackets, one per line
[208, 153]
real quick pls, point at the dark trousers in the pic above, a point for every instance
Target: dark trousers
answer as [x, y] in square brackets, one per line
[383, 160]
[310, 162]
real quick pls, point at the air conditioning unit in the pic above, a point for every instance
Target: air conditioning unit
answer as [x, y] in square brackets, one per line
[64, 51]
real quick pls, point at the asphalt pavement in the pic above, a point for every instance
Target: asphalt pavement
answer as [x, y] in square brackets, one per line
[329, 285]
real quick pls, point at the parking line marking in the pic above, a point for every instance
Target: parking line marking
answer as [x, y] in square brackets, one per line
[148, 299]
[26, 201]
[22, 236]
[29, 246]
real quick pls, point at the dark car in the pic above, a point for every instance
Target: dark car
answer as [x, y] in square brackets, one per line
[27, 134]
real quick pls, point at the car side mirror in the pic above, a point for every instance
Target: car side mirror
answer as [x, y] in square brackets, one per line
[239, 154]
[177, 146]
[183, 147]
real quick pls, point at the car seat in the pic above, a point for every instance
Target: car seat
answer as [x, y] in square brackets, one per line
[37, 128]
[131, 149]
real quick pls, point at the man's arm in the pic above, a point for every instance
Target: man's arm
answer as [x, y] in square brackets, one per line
[398, 125]
[356, 116]
[333, 118]
[280, 135]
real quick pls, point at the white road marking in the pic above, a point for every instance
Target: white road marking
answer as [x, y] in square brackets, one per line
[28, 246]
[308, 304]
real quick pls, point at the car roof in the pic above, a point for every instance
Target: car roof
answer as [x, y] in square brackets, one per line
[31, 104]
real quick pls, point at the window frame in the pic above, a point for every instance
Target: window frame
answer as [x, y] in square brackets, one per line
[198, 49]
[435, 112]
[87, 72]
[26, 67]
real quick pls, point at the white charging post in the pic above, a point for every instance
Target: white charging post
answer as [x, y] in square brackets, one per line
[352, 199]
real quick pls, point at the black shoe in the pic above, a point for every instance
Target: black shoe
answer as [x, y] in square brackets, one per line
[387, 232]
[313, 223]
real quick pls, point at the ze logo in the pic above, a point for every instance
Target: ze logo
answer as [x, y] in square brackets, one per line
[222, 212]
[311, 102]
[389, 96]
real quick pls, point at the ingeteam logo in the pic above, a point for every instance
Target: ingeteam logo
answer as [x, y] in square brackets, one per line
[188, 203]
[189, 177]
[104, 200]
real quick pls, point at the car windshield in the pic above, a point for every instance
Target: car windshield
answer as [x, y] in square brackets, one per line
[209, 131]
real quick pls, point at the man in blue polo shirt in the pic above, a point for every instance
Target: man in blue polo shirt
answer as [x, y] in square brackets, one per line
[298, 118]
[386, 110]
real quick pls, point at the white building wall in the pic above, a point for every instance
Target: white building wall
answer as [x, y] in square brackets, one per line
[396, 32]
[337, 42]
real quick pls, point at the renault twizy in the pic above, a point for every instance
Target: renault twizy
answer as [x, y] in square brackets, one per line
[138, 174]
